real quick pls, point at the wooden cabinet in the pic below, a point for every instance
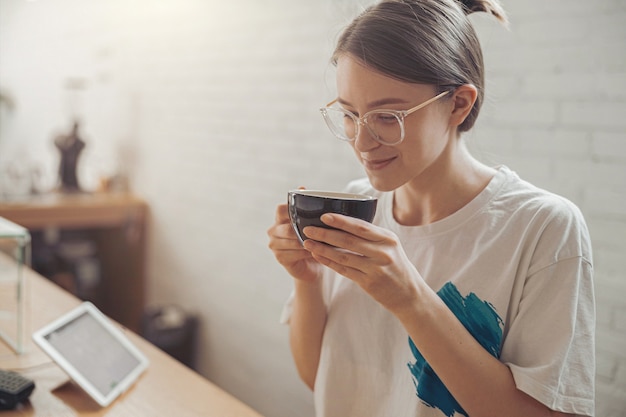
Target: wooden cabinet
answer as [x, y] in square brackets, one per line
[115, 223]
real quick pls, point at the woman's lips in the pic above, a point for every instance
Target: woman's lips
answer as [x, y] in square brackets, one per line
[377, 164]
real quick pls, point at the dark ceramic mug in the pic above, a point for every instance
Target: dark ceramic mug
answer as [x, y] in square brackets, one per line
[307, 206]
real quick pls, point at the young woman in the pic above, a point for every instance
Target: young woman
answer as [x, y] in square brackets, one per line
[471, 293]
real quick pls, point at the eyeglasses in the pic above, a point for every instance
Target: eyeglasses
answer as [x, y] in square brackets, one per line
[385, 126]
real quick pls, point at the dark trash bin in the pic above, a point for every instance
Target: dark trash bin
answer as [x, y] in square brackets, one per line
[172, 330]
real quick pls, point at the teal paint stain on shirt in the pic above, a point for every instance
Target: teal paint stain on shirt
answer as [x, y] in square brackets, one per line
[481, 320]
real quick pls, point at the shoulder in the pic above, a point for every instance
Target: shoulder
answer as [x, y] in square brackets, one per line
[551, 218]
[533, 201]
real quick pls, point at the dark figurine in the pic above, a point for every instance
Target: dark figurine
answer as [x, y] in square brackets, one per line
[70, 146]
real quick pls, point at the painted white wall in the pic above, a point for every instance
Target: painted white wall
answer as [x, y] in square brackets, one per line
[211, 109]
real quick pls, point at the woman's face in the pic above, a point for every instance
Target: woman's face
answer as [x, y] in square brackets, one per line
[422, 155]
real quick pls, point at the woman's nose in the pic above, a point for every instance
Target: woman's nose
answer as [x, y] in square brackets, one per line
[365, 141]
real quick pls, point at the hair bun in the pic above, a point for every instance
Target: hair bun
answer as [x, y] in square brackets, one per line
[488, 6]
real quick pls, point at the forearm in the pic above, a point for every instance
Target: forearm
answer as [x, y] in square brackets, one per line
[307, 328]
[481, 384]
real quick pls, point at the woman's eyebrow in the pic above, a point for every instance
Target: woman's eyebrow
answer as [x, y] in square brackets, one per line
[376, 103]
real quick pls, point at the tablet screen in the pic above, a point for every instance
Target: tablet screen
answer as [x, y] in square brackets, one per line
[87, 346]
[93, 352]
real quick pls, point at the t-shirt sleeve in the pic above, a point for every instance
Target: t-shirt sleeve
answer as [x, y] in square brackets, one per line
[287, 310]
[550, 343]
[327, 289]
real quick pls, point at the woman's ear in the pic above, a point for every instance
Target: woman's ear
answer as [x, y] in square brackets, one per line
[463, 99]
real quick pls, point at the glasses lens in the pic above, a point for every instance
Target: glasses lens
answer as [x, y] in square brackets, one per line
[385, 127]
[341, 123]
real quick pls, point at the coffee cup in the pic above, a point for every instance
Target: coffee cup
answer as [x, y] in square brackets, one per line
[307, 206]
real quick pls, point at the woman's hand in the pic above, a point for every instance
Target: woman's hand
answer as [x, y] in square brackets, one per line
[368, 255]
[289, 251]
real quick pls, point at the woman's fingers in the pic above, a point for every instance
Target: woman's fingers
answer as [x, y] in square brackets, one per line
[283, 237]
[282, 213]
[282, 224]
[344, 262]
[357, 227]
[352, 234]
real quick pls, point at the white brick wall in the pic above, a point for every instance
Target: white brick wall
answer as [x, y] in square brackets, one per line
[211, 108]
[558, 107]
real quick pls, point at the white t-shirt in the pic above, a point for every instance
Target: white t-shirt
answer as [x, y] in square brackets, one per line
[514, 265]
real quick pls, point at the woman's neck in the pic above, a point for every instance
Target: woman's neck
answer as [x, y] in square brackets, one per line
[447, 186]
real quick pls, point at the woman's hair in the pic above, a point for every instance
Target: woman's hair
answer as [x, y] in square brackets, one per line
[422, 41]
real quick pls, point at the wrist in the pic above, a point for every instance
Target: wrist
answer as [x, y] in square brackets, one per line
[306, 286]
[421, 300]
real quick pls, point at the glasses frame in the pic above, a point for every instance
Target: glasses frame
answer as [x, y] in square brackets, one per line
[362, 121]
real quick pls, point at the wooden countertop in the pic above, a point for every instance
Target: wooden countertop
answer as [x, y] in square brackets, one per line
[167, 388]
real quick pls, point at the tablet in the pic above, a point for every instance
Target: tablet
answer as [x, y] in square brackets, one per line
[93, 352]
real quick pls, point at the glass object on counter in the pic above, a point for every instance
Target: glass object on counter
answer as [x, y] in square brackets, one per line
[14, 258]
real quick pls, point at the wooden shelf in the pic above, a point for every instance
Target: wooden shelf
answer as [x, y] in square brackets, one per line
[73, 210]
[117, 222]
